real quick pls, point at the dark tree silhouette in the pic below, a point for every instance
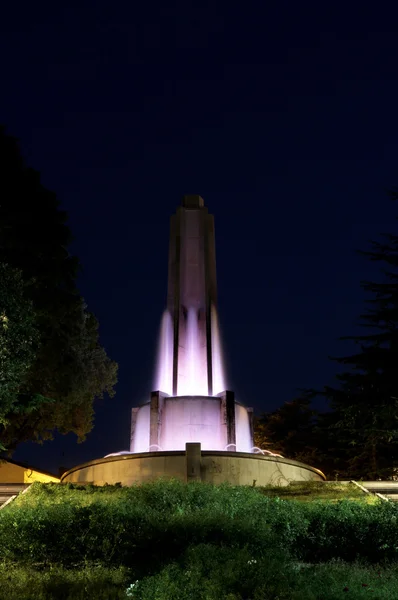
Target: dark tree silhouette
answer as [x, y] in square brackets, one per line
[69, 368]
[358, 437]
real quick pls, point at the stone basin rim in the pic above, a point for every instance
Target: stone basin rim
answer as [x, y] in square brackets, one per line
[204, 453]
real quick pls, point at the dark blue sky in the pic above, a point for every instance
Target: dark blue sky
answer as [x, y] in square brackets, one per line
[282, 115]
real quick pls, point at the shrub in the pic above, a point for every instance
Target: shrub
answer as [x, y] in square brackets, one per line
[147, 527]
[208, 572]
[211, 572]
[350, 531]
[86, 584]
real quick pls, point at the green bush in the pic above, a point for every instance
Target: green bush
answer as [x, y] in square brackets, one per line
[146, 527]
[213, 573]
[350, 531]
[87, 584]
[136, 527]
[205, 572]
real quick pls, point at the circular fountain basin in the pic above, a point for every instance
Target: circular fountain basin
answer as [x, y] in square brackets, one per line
[193, 464]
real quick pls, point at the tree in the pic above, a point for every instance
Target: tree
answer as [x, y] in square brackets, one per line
[296, 430]
[286, 430]
[358, 437]
[19, 340]
[365, 401]
[70, 366]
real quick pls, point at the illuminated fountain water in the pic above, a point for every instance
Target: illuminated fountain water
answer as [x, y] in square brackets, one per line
[219, 380]
[257, 450]
[191, 414]
[195, 382]
[164, 367]
[191, 426]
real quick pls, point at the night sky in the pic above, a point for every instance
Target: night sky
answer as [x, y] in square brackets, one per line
[282, 115]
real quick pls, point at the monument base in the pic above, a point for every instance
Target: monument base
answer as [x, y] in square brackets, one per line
[167, 423]
[236, 468]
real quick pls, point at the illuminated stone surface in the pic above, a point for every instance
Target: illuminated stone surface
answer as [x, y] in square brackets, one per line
[191, 403]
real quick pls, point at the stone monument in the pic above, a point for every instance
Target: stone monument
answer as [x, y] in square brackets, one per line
[191, 403]
[191, 427]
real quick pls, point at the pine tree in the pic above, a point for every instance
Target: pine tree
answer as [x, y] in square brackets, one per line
[358, 437]
[365, 404]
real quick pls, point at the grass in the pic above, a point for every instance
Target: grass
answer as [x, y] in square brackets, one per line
[201, 542]
[330, 491]
[28, 583]
[308, 491]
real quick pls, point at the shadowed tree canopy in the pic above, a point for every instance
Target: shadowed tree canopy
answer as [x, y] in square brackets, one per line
[65, 366]
[298, 431]
[287, 430]
[19, 339]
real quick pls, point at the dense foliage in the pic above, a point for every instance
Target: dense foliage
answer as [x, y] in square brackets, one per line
[154, 523]
[172, 541]
[208, 572]
[19, 338]
[289, 430]
[62, 359]
[296, 430]
[204, 572]
[54, 583]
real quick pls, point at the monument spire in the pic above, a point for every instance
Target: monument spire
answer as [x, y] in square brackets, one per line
[192, 296]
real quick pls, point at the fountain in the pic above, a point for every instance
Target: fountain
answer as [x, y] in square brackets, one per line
[191, 427]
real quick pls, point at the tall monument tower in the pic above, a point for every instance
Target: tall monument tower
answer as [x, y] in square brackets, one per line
[190, 402]
[192, 296]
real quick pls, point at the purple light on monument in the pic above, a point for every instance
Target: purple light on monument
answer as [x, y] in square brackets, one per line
[193, 379]
[219, 383]
[195, 382]
[190, 402]
[164, 367]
